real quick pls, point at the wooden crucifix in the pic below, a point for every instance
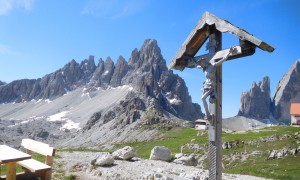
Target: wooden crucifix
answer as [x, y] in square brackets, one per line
[211, 27]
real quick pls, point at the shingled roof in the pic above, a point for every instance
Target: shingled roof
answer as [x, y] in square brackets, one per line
[200, 33]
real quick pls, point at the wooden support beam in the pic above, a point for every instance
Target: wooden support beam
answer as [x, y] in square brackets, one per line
[214, 57]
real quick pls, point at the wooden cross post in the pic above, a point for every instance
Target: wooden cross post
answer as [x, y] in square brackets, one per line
[215, 127]
[211, 27]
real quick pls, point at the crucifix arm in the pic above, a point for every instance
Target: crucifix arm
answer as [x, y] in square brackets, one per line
[214, 58]
[225, 57]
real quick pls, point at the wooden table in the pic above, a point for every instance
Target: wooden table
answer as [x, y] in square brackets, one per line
[10, 156]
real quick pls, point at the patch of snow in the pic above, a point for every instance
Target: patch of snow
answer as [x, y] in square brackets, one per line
[33, 100]
[58, 117]
[48, 100]
[62, 73]
[70, 125]
[61, 117]
[106, 72]
[174, 101]
[121, 87]
[86, 94]
[38, 101]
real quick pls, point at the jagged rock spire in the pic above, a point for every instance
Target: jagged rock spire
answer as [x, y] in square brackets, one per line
[256, 102]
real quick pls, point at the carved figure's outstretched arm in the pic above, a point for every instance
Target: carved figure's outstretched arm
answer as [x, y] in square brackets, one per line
[225, 57]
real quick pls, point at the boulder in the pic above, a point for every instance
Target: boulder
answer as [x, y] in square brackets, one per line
[126, 153]
[225, 145]
[186, 160]
[160, 153]
[103, 159]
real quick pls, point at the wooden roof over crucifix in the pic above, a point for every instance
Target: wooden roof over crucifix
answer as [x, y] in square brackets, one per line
[201, 32]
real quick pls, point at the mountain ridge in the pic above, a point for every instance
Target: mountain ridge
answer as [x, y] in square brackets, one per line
[119, 101]
[143, 70]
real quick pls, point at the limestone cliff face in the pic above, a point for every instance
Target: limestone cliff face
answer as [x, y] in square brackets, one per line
[287, 92]
[256, 102]
[146, 72]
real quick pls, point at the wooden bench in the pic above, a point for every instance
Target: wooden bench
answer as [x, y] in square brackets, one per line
[43, 170]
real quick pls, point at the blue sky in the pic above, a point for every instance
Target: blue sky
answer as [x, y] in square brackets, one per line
[38, 37]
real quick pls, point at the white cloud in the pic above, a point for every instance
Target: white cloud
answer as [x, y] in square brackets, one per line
[6, 6]
[112, 9]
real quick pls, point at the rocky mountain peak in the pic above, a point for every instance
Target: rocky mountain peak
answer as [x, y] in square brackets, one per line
[146, 72]
[88, 65]
[265, 85]
[256, 102]
[149, 58]
[287, 92]
[2, 83]
[120, 71]
[151, 52]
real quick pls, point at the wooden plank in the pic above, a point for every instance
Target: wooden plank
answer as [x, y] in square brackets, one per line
[8, 154]
[214, 57]
[199, 34]
[38, 147]
[34, 165]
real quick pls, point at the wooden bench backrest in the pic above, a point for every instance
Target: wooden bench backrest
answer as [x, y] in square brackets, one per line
[38, 147]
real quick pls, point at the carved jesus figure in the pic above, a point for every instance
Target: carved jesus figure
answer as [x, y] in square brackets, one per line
[209, 85]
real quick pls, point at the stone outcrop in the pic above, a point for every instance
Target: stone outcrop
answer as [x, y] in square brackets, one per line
[256, 103]
[186, 160]
[287, 92]
[281, 153]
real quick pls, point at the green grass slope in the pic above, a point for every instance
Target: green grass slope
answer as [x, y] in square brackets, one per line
[249, 156]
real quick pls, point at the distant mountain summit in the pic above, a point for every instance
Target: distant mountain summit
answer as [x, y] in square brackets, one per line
[287, 92]
[2, 83]
[146, 72]
[257, 103]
